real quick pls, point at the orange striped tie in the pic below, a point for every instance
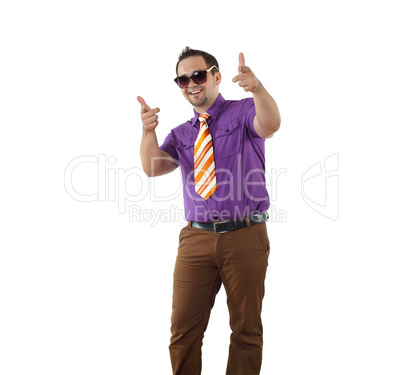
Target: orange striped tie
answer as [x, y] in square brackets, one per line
[204, 163]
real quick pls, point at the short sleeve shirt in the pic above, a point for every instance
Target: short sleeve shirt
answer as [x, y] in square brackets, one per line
[239, 155]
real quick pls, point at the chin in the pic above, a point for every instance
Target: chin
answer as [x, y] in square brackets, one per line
[198, 103]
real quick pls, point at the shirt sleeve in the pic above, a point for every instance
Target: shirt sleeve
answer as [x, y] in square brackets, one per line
[169, 147]
[249, 114]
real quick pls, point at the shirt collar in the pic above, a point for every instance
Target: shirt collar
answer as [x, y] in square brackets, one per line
[212, 111]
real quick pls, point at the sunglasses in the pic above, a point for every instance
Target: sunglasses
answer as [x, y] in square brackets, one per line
[198, 77]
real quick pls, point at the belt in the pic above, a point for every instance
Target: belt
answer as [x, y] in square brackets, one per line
[226, 226]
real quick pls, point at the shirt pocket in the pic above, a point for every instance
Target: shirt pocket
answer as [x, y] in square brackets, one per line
[227, 140]
[185, 151]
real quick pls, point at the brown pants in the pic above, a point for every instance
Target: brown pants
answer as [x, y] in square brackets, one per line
[205, 260]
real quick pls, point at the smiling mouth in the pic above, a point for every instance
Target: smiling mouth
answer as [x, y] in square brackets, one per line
[195, 92]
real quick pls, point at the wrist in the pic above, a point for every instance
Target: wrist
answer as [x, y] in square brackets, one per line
[259, 89]
[145, 131]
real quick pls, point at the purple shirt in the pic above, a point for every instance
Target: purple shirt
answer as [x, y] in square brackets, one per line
[239, 155]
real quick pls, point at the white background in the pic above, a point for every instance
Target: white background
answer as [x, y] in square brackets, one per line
[84, 290]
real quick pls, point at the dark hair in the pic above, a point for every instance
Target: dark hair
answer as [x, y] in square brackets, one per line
[209, 59]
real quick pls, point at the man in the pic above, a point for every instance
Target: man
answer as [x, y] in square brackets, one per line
[222, 158]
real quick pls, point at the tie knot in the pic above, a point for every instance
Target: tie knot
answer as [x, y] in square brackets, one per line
[204, 117]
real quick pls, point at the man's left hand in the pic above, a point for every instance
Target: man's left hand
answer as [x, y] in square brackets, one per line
[246, 77]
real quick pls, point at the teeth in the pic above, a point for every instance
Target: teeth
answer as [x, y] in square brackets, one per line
[194, 92]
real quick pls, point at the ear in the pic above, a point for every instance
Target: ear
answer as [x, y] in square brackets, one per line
[218, 78]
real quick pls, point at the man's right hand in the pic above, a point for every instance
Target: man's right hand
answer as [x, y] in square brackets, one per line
[149, 116]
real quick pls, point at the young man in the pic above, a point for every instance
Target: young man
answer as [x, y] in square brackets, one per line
[222, 158]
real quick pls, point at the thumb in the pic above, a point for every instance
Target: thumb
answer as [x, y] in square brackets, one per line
[242, 62]
[144, 106]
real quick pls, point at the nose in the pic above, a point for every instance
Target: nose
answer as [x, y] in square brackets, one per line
[191, 83]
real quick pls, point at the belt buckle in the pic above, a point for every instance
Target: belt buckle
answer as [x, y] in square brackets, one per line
[220, 222]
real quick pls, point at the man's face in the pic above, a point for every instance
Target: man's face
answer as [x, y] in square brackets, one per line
[203, 95]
